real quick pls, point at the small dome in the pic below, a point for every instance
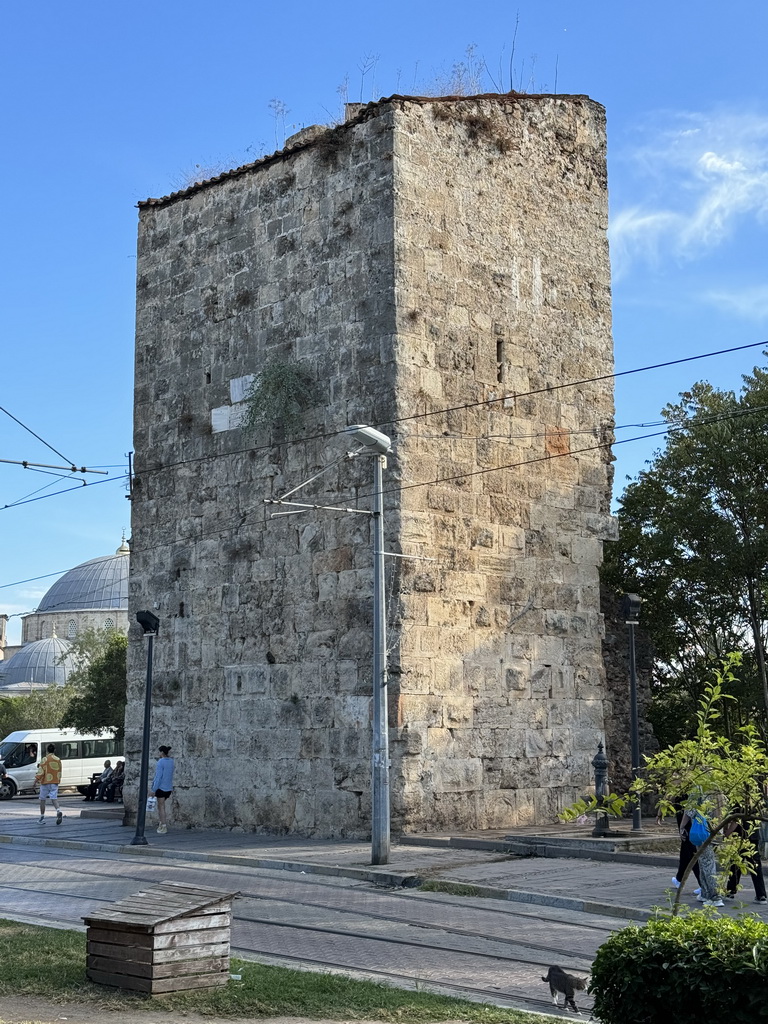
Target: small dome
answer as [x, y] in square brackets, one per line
[44, 662]
[99, 583]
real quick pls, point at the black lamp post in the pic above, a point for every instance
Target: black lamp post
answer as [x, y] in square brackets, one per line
[600, 764]
[149, 623]
[630, 607]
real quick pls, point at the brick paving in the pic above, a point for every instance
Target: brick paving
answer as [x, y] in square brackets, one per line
[313, 904]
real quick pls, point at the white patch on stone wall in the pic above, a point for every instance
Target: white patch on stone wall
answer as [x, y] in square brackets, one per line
[514, 290]
[239, 387]
[220, 419]
[227, 417]
[537, 291]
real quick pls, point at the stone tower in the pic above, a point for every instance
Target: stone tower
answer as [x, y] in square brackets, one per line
[439, 268]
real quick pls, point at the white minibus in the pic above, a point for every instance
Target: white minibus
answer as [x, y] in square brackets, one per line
[82, 756]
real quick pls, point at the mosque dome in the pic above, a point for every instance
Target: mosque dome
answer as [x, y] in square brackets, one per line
[43, 662]
[96, 584]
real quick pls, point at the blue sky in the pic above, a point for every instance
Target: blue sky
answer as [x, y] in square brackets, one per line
[106, 104]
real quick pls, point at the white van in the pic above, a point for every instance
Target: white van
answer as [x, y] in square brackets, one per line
[81, 757]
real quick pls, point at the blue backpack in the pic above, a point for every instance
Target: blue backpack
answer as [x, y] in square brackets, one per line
[698, 833]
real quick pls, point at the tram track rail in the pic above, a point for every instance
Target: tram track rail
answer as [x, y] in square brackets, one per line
[505, 968]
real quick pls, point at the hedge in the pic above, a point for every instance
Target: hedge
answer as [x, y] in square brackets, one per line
[694, 968]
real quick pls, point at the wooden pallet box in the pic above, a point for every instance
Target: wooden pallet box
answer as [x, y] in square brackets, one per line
[170, 937]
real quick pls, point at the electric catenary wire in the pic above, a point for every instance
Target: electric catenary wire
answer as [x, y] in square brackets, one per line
[66, 490]
[511, 396]
[242, 518]
[30, 431]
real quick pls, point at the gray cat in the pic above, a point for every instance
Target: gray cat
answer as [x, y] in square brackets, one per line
[559, 982]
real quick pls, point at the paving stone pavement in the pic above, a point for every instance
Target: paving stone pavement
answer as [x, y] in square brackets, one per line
[321, 906]
[628, 890]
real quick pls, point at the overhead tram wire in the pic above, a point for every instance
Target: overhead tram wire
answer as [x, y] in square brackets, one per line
[30, 431]
[511, 396]
[30, 494]
[719, 418]
[66, 490]
[241, 520]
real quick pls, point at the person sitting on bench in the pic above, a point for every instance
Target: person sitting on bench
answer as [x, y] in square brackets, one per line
[113, 790]
[98, 782]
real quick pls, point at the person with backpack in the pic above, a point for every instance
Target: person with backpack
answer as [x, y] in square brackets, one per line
[695, 828]
[49, 776]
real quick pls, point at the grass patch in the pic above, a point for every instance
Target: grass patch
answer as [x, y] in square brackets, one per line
[453, 888]
[50, 963]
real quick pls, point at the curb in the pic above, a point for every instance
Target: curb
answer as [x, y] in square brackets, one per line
[520, 848]
[390, 879]
[561, 902]
[393, 879]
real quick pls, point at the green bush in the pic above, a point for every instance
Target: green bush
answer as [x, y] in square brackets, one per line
[692, 968]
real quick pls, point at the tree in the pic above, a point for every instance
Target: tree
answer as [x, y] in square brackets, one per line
[41, 709]
[693, 542]
[728, 776]
[99, 703]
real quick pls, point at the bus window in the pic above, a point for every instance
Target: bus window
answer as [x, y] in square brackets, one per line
[68, 750]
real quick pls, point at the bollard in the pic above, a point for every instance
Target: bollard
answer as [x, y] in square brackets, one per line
[600, 764]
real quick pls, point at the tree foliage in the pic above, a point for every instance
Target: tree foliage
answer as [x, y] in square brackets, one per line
[726, 776]
[99, 703]
[693, 542]
[41, 709]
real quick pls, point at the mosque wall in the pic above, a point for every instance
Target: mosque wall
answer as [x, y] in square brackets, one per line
[425, 256]
[69, 624]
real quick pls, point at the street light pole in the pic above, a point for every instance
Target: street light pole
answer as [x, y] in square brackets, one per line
[378, 444]
[631, 608]
[380, 766]
[149, 623]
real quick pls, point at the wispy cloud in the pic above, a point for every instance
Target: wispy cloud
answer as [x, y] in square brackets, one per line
[696, 177]
[749, 303]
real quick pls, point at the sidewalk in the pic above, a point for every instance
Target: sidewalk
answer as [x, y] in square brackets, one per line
[552, 866]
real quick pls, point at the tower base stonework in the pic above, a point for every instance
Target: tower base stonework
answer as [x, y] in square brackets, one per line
[439, 268]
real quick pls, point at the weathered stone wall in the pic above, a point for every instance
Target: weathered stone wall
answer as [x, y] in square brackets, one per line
[503, 287]
[427, 254]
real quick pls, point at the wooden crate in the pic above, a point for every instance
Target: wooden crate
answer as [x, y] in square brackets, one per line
[167, 938]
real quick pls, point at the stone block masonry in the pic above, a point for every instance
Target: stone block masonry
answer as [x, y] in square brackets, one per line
[440, 269]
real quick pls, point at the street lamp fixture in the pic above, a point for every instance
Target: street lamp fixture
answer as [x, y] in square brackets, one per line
[378, 445]
[630, 607]
[150, 623]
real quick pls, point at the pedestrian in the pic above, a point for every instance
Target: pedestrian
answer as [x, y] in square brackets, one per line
[49, 776]
[707, 864]
[687, 849]
[162, 786]
[752, 860]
